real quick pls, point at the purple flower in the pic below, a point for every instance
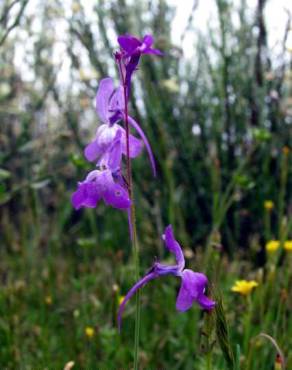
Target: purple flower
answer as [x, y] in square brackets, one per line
[105, 183]
[131, 51]
[100, 184]
[131, 45]
[193, 284]
[110, 108]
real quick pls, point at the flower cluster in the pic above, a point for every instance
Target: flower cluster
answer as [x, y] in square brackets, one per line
[106, 182]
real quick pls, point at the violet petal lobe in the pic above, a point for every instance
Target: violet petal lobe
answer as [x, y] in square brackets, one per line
[113, 193]
[87, 195]
[105, 90]
[143, 281]
[184, 300]
[117, 197]
[205, 302]
[192, 289]
[173, 246]
[115, 153]
[129, 43]
[92, 151]
[135, 145]
[153, 52]
[148, 40]
[104, 138]
[117, 101]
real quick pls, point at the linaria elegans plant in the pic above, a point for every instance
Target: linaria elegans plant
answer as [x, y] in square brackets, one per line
[107, 182]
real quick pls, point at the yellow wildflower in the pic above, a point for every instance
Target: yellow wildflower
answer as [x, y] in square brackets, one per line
[272, 246]
[48, 300]
[244, 287]
[269, 205]
[288, 245]
[89, 331]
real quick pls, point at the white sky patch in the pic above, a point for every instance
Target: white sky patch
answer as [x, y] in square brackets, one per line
[206, 13]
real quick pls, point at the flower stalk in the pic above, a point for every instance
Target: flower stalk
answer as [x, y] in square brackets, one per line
[132, 220]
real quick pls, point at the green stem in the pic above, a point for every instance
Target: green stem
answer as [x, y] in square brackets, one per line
[132, 220]
[247, 324]
[282, 192]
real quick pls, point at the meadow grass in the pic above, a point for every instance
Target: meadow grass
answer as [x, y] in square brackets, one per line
[49, 299]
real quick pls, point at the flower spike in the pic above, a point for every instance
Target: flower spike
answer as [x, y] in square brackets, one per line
[112, 140]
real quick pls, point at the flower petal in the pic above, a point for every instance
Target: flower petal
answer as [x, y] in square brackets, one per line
[104, 92]
[153, 52]
[147, 43]
[112, 193]
[129, 43]
[117, 101]
[130, 69]
[117, 197]
[92, 151]
[135, 145]
[105, 135]
[192, 289]
[136, 126]
[184, 300]
[206, 303]
[112, 156]
[87, 195]
[173, 246]
[115, 153]
[132, 291]
[104, 138]
[148, 40]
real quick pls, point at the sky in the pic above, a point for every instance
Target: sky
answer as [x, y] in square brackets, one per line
[275, 17]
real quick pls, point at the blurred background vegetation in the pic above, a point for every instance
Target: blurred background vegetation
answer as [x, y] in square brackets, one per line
[220, 127]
